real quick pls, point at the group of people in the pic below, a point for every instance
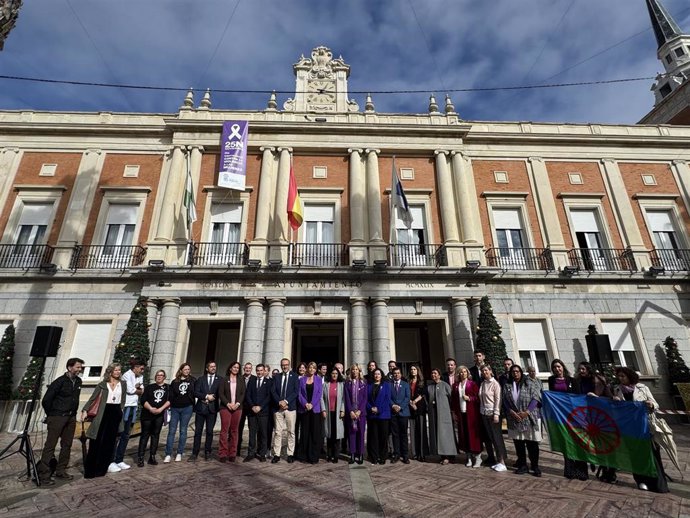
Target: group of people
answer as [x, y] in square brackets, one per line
[317, 409]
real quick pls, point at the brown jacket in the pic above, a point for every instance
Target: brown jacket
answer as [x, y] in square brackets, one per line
[224, 391]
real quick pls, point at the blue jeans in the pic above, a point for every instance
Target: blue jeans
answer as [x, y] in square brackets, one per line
[129, 417]
[179, 416]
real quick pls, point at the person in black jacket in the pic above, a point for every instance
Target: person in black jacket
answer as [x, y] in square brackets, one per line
[258, 397]
[154, 401]
[206, 409]
[61, 403]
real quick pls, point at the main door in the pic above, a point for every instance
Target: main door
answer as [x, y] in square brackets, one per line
[320, 342]
[212, 341]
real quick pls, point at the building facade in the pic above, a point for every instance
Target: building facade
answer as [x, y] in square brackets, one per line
[561, 225]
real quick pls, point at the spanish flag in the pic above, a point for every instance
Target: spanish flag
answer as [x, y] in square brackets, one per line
[294, 204]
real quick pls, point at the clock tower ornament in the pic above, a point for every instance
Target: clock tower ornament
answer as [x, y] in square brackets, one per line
[321, 84]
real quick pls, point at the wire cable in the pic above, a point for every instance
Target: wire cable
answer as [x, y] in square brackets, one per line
[428, 45]
[220, 40]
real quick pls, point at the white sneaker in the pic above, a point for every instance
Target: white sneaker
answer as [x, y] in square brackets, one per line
[499, 467]
[469, 461]
[178, 457]
[166, 460]
[114, 468]
[123, 465]
[642, 486]
[477, 461]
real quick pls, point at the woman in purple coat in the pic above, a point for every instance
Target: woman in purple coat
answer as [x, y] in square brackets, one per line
[309, 409]
[356, 413]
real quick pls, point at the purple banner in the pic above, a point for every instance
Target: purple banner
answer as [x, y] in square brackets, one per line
[233, 155]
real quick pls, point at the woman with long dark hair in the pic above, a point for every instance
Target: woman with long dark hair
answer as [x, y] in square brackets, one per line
[181, 409]
[107, 424]
[441, 439]
[231, 394]
[155, 400]
[333, 412]
[378, 417]
[419, 437]
[562, 381]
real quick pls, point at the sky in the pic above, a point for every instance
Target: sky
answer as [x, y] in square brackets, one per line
[430, 45]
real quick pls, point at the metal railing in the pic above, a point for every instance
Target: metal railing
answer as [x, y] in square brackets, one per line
[317, 254]
[217, 254]
[672, 259]
[520, 258]
[25, 256]
[107, 256]
[417, 255]
[602, 259]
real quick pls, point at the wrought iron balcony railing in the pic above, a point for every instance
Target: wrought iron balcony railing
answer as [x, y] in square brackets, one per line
[520, 258]
[672, 259]
[217, 254]
[317, 254]
[107, 256]
[25, 256]
[602, 259]
[417, 255]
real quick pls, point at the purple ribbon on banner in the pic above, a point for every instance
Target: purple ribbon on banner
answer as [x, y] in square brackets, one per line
[233, 155]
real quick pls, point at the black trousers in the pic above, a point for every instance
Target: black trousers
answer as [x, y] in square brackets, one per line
[209, 421]
[150, 428]
[240, 431]
[399, 433]
[524, 449]
[258, 435]
[377, 439]
[311, 436]
[102, 448]
[333, 444]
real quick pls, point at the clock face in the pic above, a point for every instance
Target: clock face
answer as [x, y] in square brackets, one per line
[321, 92]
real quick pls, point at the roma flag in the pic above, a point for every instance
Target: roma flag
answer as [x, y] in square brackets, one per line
[294, 204]
[600, 431]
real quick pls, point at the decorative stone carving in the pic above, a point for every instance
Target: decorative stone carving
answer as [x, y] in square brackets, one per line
[272, 104]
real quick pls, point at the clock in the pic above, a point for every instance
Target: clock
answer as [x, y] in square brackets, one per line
[321, 92]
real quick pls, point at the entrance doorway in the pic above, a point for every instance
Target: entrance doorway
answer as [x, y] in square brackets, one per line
[421, 343]
[320, 342]
[217, 341]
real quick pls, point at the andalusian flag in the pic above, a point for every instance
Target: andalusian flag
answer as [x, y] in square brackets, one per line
[600, 431]
[189, 198]
[294, 204]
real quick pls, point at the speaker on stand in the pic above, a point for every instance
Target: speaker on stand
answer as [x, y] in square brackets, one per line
[46, 343]
[599, 349]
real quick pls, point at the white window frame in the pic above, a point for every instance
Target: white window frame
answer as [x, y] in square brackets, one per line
[510, 201]
[418, 199]
[119, 196]
[311, 196]
[107, 352]
[579, 202]
[220, 196]
[47, 195]
[657, 204]
[549, 343]
[48, 170]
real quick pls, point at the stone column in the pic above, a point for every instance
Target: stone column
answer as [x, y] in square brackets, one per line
[462, 331]
[281, 228]
[377, 244]
[546, 209]
[153, 316]
[682, 174]
[474, 307]
[265, 205]
[621, 204]
[170, 190]
[79, 206]
[253, 340]
[10, 158]
[275, 332]
[360, 351]
[449, 219]
[468, 207]
[358, 206]
[166, 338]
[380, 342]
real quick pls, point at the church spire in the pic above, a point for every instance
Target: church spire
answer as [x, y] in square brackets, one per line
[665, 27]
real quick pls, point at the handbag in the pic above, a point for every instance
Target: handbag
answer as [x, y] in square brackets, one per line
[92, 411]
[166, 416]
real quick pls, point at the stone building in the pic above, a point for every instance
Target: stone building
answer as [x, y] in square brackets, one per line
[562, 225]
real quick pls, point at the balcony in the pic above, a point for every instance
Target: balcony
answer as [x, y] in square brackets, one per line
[25, 256]
[217, 254]
[602, 259]
[417, 255]
[671, 259]
[520, 258]
[107, 257]
[317, 254]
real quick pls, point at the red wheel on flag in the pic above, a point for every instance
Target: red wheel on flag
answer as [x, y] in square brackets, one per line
[593, 430]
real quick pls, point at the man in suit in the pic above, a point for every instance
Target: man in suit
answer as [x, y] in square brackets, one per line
[449, 375]
[476, 369]
[248, 377]
[258, 397]
[285, 390]
[392, 365]
[400, 414]
[206, 410]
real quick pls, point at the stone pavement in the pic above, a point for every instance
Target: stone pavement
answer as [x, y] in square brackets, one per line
[337, 490]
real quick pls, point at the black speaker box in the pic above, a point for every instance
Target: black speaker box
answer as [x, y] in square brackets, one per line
[599, 349]
[46, 342]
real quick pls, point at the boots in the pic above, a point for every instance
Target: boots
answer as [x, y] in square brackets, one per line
[140, 462]
[352, 459]
[153, 461]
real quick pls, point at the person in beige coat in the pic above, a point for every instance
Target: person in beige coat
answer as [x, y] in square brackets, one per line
[333, 412]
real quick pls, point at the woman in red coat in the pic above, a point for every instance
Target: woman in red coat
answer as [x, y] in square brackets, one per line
[464, 403]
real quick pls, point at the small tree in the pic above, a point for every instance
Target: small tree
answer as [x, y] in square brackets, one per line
[25, 390]
[678, 372]
[6, 363]
[489, 340]
[134, 343]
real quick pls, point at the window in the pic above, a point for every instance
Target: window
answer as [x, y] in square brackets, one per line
[666, 239]
[530, 337]
[119, 233]
[91, 341]
[509, 237]
[226, 225]
[131, 171]
[665, 90]
[31, 234]
[589, 239]
[648, 179]
[411, 248]
[319, 247]
[679, 52]
[48, 170]
[320, 171]
[669, 59]
[501, 176]
[622, 344]
[407, 173]
[575, 178]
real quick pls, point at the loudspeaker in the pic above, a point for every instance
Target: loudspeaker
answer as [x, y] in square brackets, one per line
[599, 349]
[46, 341]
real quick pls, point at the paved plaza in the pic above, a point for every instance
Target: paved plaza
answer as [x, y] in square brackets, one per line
[210, 488]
